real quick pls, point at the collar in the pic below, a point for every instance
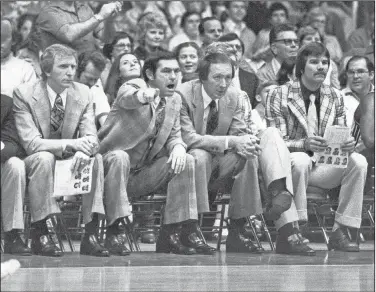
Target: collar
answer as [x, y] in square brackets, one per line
[52, 95]
[275, 65]
[307, 92]
[207, 99]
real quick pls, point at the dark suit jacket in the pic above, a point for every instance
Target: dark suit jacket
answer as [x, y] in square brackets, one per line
[9, 135]
[249, 83]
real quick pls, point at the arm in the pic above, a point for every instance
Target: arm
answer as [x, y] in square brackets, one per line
[129, 95]
[367, 120]
[334, 81]
[340, 118]
[175, 135]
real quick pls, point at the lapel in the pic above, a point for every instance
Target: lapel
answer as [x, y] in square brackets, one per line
[296, 104]
[42, 108]
[198, 108]
[326, 106]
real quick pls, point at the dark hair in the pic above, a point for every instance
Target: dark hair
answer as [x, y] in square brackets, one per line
[277, 6]
[287, 68]
[201, 28]
[186, 15]
[95, 57]
[311, 49]
[108, 48]
[186, 45]
[214, 58]
[152, 63]
[263, 85]
[231, 37]
[279, 28]
[24, 17]
[370, 65]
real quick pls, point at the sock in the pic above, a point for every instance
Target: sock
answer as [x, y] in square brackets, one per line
[171, 227]
[40, 227]
[286, 230]
[114, 228]
[190, 226]
[92, 226]
[11, 235]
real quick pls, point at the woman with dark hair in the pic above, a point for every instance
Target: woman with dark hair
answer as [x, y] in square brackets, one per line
[286, 72]
[25, 25]
[188, 55]
[124, 68]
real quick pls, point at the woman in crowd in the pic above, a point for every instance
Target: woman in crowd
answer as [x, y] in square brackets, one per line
[188, 55]
[125, 67]
[25, 25]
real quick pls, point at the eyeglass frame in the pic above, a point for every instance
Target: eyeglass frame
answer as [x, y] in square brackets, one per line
[360, 72]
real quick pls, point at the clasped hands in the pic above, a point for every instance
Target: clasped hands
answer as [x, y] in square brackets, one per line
[85, 147]
[246, 146]
[319, 144]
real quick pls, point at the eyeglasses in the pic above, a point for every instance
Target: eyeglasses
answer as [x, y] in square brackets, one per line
[289, 42]
[360, 72]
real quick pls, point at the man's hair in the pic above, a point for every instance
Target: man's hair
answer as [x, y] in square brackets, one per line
[231, 37]
[187, 45]
[279, 28]
[263, 85]
[51, 53]
[370, 65]
[186, 15]
[201, 28]
[207, 61]
[95, 57]
[276, 7]
[152, 63]
[220, 48]
[108, 48]
[311, 49]
[308, 30]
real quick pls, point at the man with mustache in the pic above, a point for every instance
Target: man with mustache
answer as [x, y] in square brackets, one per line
[302, 110]
[55, 121]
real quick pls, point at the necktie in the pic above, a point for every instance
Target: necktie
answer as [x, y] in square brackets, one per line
[313, 126]
[160, 114]
[212, 118]
[57, 113]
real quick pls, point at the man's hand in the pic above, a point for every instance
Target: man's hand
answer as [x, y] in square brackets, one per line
[246, 146]
[79, 161]
[315, 144]
[111, 8]
[349, 145]
[86, 144]
[147, 95]
[177, 159]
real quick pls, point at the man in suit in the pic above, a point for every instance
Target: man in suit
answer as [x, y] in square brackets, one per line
[227, 157]
[13, 181]
[55, 120]
[302, 111]
[142, 131]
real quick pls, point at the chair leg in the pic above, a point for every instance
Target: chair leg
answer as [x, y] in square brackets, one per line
[66, 233]
[221, 226]
[56, 233]
[132, 234]
[251, 224]
[266, 230]
[370, 217]
[321, 225]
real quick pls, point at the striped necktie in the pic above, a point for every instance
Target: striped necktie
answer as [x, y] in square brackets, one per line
[313, 126]
[160, 114]
[57, 113]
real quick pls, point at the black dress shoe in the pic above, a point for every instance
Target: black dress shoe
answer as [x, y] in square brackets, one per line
[293, 246]
[16, 246]
[115, 243]
[45, 246]
[91, 246]
[148, 237]
[339, 240]
[194, 241]
[169, 241]
[237, 242]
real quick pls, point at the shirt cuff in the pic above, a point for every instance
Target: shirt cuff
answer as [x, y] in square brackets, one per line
[226, 143]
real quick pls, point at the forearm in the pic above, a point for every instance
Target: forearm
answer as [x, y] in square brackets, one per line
[54, 146]
[295, 145]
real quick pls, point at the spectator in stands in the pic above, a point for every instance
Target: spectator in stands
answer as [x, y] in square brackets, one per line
[13, 181]
[210, 29]
[284, 44]
[364, 37]
[243, 79]
[29, 52]
[72, 23]
[189, 24]
[286, 72]
[303, 133]
[227, 158]
[50, 114]
[308, 34]
[149, 114]
[89, 69]
[125, 67]
[151, 34]
[25, 25]
[237, 11]
[188, 55]
[13, 70]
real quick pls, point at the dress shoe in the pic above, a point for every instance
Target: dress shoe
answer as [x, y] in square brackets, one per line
[148, 237]
[194, 241]
[91, 246]
[45, 246]
[16, 246]
[339, 240]
[280, 203]
[169, 241]
[293, 246]
[237, 242]
[115, 243]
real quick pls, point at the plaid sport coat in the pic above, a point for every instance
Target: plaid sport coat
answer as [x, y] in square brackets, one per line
[285, 110]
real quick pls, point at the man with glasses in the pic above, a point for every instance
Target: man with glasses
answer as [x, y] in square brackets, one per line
[284, 44]
[302, 110]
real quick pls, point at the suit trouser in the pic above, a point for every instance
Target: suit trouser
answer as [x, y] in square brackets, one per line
[351, 180]
[40, 169]
[13, 186]
[181, 203]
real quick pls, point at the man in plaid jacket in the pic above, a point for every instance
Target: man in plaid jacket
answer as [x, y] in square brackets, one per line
[287, 108]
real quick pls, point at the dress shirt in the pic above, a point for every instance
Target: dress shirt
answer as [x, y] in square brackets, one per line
[306, 93]
[52, 96]
[235, 80]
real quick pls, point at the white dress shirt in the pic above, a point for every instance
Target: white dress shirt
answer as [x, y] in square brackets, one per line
[52, 96]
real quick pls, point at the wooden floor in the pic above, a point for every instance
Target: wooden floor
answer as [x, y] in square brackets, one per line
[148, 271]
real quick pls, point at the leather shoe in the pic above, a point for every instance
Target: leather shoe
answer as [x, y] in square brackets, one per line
[16, 246]
[237, 242]
[280, 203]
[339, 240]
[293, 246]
[91, 246]
[115, 243]
[148, 237]
[45, 246]
[169, 241]
[194, 241]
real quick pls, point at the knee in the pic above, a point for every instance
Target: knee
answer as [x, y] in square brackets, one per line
[358, 161]
[190, 160]
[118, 157]
[15, 166]
[45, 160]
[201, 157]
[301, 161]
[272, 132]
